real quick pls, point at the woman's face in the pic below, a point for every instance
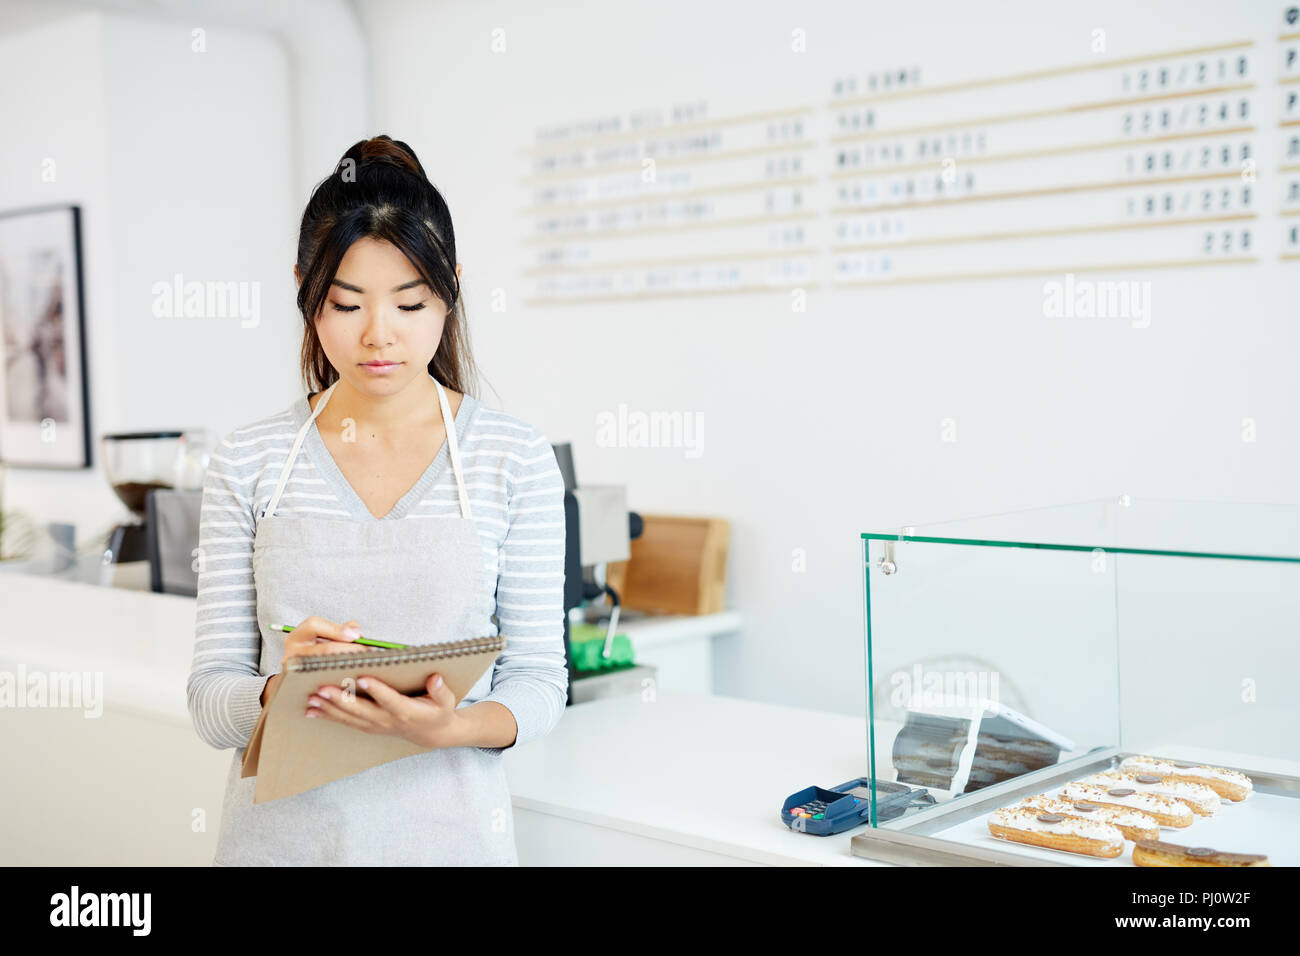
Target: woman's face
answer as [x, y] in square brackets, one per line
[379, 310]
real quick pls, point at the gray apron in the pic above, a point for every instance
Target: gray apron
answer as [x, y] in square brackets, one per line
[410, 580]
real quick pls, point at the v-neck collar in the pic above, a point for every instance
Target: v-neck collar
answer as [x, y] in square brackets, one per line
[328, 469]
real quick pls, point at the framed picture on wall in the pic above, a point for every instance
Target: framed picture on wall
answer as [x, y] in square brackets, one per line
[44, 399]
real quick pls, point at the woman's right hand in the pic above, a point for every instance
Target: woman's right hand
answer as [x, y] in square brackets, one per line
[315, 635]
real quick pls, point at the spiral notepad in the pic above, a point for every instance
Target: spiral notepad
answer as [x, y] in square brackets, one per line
[290, 752]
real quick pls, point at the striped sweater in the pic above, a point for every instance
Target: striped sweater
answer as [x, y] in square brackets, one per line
[517, 501]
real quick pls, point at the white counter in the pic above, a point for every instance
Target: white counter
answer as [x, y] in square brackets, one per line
[682, 778]
[140, 641]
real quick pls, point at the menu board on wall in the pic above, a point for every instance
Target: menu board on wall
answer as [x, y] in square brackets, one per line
[1184, 158]
[672, 202]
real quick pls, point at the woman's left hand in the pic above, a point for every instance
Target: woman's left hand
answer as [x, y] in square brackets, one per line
[429, 721]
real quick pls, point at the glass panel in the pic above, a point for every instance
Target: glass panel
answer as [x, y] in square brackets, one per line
[1258, 531]
[983, 664]
[1209, 660]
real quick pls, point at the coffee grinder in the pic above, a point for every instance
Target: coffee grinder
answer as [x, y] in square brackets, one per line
[137, 463]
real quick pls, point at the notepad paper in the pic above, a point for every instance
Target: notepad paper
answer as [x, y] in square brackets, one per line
[290, 752]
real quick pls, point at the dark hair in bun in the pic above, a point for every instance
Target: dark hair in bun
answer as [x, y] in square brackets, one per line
[380, 190]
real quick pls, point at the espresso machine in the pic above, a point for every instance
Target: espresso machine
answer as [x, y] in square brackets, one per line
[598, 529]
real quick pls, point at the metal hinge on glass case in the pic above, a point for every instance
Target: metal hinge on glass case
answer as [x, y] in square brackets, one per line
[886, 563]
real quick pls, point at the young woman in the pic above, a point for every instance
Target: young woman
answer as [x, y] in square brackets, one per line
[387, 503]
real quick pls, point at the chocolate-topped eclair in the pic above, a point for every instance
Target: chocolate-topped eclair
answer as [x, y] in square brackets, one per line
[1157, 853]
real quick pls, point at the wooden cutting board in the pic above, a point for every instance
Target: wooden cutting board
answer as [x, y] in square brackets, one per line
[677, 566]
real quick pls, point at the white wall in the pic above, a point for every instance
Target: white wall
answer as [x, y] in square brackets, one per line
[821, 425]
[199, 155]
[61, 115]
[182, 162]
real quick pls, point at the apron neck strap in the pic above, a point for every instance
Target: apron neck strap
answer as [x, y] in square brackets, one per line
[293, 452]
[453, 448]
[448, 423]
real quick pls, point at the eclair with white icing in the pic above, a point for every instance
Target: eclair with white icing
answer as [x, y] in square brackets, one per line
[1167, 811]
[1056, 831]
[1203, 801]
[1134, 824]
[1229, 784]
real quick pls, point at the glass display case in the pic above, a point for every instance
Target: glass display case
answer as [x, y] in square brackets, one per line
[1049, 680]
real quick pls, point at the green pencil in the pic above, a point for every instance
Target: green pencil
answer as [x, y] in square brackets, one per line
[359, 640]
